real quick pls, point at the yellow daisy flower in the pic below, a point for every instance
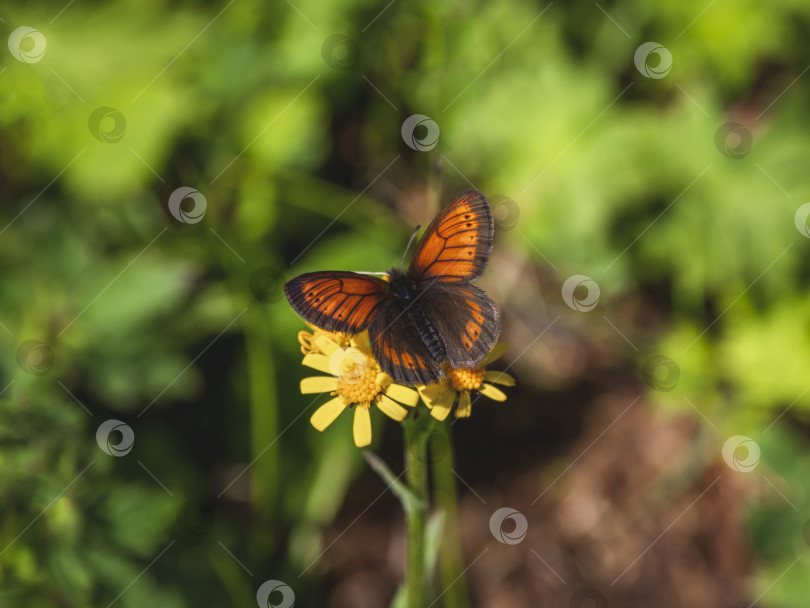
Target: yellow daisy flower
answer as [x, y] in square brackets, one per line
[441, 396]
[355, 380]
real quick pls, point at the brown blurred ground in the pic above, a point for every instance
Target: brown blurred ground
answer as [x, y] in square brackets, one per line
[638, 495]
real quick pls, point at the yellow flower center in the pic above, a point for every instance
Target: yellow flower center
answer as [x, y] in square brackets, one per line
[342, 340]
[466, 379]
[359, 386]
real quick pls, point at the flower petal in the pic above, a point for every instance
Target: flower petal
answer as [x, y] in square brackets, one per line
[325, 345]
[348, 364]
[496, 353]
[305, 340]
[319, 362]
[463, 410]
[403, 394]
[432, 392]
[362, 426]
[360, 341]
[499, 378]
[319, 384]
[493, 393]
[326, 414]
[443, 405]
[391, 408]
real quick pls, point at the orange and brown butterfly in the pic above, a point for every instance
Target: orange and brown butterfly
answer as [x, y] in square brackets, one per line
[419, 319]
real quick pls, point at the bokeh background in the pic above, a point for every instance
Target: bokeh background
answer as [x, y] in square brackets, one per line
[670, 177]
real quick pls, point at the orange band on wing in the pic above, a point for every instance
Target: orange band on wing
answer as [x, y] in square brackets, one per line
[456, 245]
[337, 301]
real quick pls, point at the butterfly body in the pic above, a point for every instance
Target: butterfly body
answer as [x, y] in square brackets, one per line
[405, 296]
[419, 319]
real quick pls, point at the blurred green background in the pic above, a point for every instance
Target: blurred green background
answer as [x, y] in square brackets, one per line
[292, 135]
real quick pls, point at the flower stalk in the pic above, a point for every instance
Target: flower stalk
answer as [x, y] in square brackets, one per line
[451, 556]
[416, 437]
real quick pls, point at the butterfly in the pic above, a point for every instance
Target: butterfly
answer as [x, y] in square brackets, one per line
[419, 319]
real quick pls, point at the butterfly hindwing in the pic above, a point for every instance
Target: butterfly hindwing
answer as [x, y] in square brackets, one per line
[339, 301]
[398, 348]
[456, 245]
[465, 318]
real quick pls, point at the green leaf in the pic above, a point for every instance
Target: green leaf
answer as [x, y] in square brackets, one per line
[407, 498]
[433, 539]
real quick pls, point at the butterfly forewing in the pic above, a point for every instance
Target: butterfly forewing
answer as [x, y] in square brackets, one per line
[339, 301]
[456, 245]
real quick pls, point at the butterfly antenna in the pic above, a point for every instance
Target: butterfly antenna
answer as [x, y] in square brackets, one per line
[410, 241]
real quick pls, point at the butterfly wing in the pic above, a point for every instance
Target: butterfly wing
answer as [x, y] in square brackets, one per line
[398, 348]
[456, 245]
[465, 318]
[339, 301]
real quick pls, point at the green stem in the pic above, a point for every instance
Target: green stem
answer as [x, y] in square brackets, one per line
[415, 512]
[451, 557]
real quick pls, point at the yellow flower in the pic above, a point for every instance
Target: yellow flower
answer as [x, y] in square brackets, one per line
[441, 396]
[355, 381]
